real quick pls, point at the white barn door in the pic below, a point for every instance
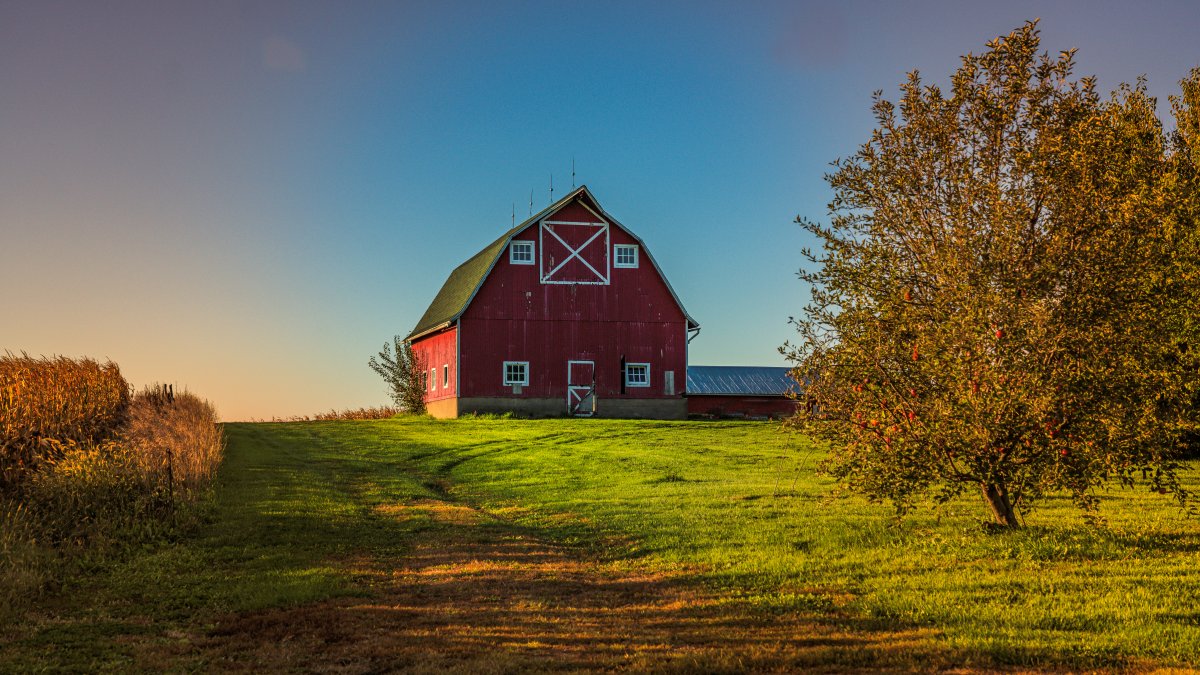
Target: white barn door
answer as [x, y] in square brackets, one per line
[581, 388]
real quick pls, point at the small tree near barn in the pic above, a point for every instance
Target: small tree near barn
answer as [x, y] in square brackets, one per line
[404, 374]
[994, 302]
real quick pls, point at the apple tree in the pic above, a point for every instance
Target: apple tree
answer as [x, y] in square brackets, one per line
[999, 296]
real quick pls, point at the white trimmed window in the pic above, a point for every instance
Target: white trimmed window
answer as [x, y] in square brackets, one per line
[516, 372]
[637, 374]
[520, 252]
[433, 379]
[446, 376]
[625, 255]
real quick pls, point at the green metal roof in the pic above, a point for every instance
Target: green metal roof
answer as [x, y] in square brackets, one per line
[452, 300]
[460, 287]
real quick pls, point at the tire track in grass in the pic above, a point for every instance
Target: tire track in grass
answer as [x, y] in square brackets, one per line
[480, 594]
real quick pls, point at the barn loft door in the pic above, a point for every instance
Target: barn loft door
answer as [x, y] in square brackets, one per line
[574, 253]
[581, 388]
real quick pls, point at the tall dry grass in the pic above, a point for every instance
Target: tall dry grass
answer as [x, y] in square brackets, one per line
[176, 444]
[49, 405]
[380, 413]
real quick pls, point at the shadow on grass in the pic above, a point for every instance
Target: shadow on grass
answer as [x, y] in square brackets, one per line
[477, 593]
[1091, 543]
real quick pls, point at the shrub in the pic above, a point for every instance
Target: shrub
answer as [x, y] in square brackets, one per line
[403, 371]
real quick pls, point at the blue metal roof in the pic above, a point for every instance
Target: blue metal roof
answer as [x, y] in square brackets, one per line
[739, 380]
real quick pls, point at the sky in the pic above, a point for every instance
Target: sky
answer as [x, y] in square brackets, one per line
[248, 199]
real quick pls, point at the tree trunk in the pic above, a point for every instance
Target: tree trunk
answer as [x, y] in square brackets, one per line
[997, 498]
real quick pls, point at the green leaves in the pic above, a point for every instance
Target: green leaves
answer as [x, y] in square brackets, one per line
[1006, 275]
[403, 373]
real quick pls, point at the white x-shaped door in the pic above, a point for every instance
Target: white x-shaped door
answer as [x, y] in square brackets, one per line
[574, 253]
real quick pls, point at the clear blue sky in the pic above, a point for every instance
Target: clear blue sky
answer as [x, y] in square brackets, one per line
[249, 198]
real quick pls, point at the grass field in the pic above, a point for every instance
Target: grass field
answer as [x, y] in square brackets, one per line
[503, 545]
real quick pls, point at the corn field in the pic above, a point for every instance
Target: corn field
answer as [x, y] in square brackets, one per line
[48, 405]
[86, 465]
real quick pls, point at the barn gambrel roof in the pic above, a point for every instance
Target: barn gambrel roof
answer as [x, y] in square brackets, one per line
[462, 284]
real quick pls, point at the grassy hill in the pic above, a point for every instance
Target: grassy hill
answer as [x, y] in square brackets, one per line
[500, 545]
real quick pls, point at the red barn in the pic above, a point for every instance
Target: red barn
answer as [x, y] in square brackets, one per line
[564, 314]
[741, 391]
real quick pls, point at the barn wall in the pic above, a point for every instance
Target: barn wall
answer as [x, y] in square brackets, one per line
[751, 406]
[653, 408]
[650, 408]
[436, 351]
[444, 408]
[523, 406]
[548, 345]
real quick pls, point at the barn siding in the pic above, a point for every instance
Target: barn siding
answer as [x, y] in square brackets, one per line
[548, 345]
[436, 351]
[749, 406]
[515, 293]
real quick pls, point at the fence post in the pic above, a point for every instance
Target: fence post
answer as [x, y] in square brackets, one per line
[171, 478]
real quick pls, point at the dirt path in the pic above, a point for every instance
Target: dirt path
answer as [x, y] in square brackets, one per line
[479, 595]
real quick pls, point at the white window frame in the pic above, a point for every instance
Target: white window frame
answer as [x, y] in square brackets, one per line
[433, 379]
[512, 252]
[445, 376]
[629, 369]
[504, 373]
[617, 248]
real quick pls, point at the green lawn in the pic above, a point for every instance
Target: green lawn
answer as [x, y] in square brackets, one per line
[734, 507]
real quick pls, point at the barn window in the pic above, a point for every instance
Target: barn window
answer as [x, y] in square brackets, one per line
[446, 376]
[433, 379]
[516, 372]
[637, 374]
[520, 253]
[625, 255]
